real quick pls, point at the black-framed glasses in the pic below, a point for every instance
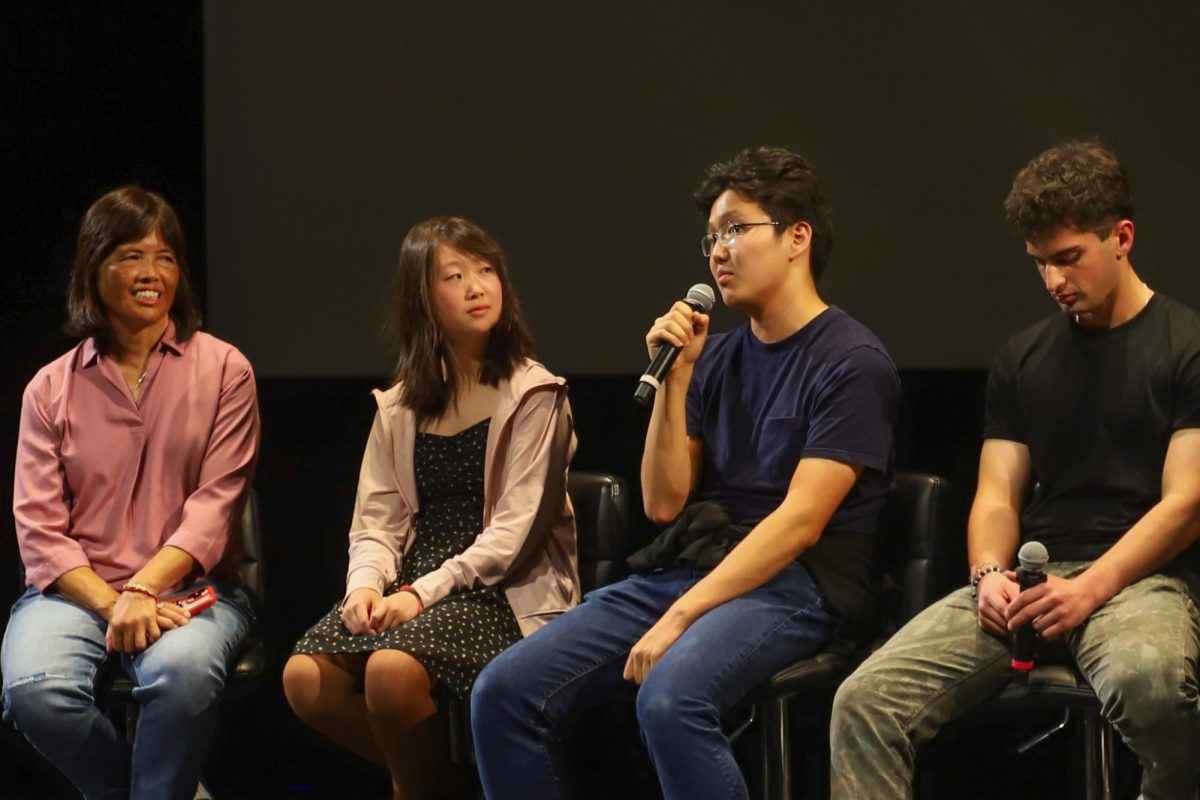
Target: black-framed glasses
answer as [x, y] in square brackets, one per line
[728, 235]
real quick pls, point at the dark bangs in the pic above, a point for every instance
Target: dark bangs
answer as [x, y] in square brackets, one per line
[124, 215]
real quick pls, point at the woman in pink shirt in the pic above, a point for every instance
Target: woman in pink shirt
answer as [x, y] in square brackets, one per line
[135, 452]
[463, 538]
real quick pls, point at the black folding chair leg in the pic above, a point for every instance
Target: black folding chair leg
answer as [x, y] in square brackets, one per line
[1098, 755]
[1037, 739]
[131, 718]
[776, 766]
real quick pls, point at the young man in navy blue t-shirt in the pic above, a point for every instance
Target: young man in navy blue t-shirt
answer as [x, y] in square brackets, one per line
[768, 456]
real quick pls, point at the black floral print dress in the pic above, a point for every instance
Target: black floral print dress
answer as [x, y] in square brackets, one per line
[455, 638]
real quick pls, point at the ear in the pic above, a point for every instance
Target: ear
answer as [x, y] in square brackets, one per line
[799, 238]
[1123, 231]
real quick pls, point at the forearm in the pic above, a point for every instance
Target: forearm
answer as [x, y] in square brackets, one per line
[666, 464]
[760, 556]
[168, 567]
[83, 586]
[1165, 531]
[993, 534]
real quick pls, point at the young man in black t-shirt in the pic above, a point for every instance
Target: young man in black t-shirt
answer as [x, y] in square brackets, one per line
[769, 451]
[1099, 409]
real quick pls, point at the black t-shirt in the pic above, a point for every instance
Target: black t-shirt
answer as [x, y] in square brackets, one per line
[1097, 410]
[829, 390]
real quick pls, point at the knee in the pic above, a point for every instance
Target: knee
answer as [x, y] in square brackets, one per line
[302, 685]
[663, 712]
[855, 700]
[500, 686]
[44, 701]
[187, 687]
[1141, 699]
[395, 682]
[487, 689]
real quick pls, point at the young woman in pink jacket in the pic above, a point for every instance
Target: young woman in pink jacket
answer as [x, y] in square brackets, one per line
[463, 537]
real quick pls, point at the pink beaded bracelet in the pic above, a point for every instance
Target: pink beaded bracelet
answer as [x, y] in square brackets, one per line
[138, 588]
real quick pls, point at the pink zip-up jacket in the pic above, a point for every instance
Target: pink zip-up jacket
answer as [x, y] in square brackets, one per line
[527, 541]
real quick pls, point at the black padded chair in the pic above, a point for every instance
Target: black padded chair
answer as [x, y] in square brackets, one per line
[115, 689]
[601, 503]
[602, 522]
[917, 522]
[1058, 685]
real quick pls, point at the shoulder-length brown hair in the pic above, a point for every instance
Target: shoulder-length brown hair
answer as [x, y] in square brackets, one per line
[124, 215]
[425, 369]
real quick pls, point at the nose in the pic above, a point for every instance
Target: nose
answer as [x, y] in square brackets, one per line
[147, 270]
[1054, 278]
[720, 252]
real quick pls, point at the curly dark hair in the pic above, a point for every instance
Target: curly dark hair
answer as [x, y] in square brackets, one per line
[1077, 185]
[125, 214]
[423, 368]
[786, 186]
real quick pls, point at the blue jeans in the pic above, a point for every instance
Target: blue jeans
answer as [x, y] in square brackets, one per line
[53, 649]
[527, 700]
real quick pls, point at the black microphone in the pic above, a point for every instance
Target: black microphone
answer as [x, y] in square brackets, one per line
[1033, 557]
[701, 298]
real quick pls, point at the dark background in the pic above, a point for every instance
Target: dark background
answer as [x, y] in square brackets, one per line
[300, 140]
[575, 133]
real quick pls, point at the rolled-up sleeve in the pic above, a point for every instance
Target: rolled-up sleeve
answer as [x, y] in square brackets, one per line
[534, 473]
[40, 503]
[210, 512]
[382, 520]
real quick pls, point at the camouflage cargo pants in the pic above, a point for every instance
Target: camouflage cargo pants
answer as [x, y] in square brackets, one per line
[1138, 651]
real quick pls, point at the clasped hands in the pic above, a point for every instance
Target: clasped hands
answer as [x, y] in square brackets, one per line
[367, 612]
[1053, 607]
[137, 621]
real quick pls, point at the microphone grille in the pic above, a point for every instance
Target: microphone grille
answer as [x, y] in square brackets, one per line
[1033, 556]
[702, 297]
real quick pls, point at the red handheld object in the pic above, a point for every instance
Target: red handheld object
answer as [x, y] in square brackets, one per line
[194, 602]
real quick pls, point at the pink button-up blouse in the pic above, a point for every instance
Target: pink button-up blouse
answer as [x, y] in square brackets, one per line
[105, 482]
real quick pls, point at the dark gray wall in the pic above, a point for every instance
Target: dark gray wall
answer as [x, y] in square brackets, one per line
[575, 132]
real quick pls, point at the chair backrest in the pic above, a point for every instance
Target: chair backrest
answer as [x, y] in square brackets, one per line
[601, 503]
[915, 547]
[251, 567]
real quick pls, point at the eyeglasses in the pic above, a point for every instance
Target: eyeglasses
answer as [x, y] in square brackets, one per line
[728, 236]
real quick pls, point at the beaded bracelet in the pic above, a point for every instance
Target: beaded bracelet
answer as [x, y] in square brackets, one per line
[408, 588]
[977, 574]
[138, 588]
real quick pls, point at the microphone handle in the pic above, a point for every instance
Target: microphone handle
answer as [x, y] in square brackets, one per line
[1024, 638]
[659, 365]
[651, 379]
[1027, 579]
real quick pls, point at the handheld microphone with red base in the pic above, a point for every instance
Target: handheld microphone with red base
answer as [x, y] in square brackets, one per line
[1033, 557]
[700, 297]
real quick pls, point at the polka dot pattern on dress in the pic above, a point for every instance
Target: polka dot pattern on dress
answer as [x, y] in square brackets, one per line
[455, 638]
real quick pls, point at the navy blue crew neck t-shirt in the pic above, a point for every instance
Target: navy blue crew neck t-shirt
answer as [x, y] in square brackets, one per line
[829, 390]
